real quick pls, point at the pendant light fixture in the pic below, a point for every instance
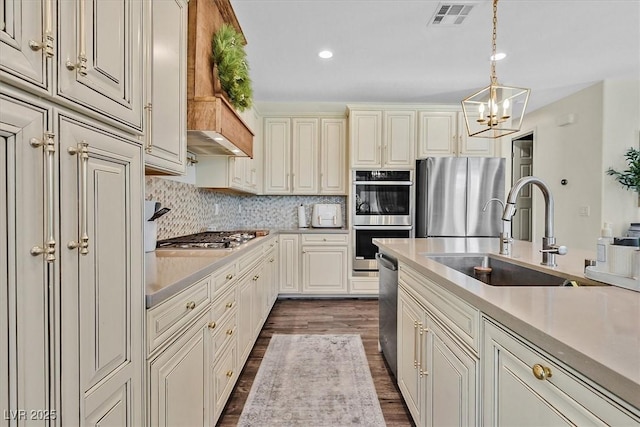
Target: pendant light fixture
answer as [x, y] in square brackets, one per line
[495, 110]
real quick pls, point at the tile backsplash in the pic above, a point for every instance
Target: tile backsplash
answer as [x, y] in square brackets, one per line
[193, 208]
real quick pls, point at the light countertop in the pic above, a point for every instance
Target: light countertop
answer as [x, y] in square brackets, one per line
[312, 230]
[594, 329]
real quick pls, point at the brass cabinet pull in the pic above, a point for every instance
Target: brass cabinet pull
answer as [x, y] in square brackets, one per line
[48, 249]
[47, 38]
[415, 344]
[212, 325]
[541, 372]
[229, 304]
[191, 305]
[422, 363]
[82, 151]
[149, 128]
[229, 374]
[229, 276]
[229, 331]
[81, 65]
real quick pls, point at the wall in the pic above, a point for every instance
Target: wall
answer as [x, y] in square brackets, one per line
[606, 121]
[193, 209]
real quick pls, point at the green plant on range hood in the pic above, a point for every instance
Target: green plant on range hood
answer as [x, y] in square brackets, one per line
[629, 178]
[233, 70]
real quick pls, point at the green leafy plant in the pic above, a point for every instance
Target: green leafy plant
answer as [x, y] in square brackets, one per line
[629, 178]
[233, 70]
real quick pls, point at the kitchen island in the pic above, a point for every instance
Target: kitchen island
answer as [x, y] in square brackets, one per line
[592, 330]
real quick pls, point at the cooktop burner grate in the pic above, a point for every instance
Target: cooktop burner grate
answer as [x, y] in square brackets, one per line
[209, 240]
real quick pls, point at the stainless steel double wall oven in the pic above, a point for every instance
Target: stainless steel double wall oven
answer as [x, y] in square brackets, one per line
[382, 207]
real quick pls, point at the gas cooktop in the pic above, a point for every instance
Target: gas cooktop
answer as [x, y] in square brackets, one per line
[211, 240]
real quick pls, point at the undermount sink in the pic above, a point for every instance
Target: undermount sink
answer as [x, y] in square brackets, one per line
[501, 273]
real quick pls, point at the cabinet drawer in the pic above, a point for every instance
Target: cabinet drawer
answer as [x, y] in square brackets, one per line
[222, 333]
[223, 277]
[560, 396]
[223, 305]
[320, 239]
[223, 378]
[364, 285]
[246, 262]
[454, 313]
[175, 313]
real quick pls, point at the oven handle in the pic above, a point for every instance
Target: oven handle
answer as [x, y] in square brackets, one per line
[407, 183]
[382, 227]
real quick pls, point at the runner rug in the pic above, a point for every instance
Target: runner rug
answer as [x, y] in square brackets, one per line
[315, 381]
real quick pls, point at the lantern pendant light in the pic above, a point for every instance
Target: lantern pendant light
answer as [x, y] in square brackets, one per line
[495, 110]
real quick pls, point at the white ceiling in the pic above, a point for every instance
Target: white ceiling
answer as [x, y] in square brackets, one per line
[384, 51]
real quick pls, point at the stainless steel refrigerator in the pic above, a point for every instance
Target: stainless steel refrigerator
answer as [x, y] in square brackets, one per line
[451, 192]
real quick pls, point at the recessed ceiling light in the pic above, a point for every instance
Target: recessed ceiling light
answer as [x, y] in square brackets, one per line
[325, 54]
[498, 57]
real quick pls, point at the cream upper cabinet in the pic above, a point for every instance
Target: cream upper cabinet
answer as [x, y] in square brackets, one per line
[365, 138]
[166, 96]
[100, 58]
[382, 139]
[85, 55]
[445, 134]
[333, 156]
[437, 135]
[101, 288]
[304, 164]
[277, 156]
[524, 386]
[26, 42]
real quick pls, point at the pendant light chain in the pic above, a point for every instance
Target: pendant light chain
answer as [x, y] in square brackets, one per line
[494, 79]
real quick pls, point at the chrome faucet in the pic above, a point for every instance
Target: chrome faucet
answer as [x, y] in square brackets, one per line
[549, 247]
[505, 236]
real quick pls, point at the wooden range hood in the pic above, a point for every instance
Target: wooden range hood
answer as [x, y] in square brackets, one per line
[209, 113]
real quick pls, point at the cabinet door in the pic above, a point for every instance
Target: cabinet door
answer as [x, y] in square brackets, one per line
[289, 255]
[514, 396]
[166, 103]
[324, 269]
[452, 381]
[237, 166]
[333, 157]
[99, 61]
[399, 139]
[178, 379]
[248, 314]
[365, 136]
[410, 382]
[23, 26]
[102, 287]
[272, 263]
[26, 282]
[436, 134]
[472, 146]
[277, 156]
[304, 163]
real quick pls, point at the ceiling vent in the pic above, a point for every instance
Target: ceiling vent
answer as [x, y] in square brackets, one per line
[451, 14]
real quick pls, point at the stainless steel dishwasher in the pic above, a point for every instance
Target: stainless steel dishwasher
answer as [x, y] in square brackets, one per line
[388, 309]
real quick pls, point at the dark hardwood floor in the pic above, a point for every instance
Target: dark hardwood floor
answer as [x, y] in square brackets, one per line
[323, 316]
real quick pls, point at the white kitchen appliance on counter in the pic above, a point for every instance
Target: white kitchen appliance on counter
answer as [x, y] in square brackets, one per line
[326, 216]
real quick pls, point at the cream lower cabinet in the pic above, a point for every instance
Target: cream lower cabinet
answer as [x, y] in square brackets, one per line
[272, 274]
[324, 263]
[523, 386]
[250, 300]
[437, 377]
[73, 301]
[289, 253]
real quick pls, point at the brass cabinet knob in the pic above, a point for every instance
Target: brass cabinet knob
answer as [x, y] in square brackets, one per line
[541, 372]
[229, 331]
[256, 277]
[212, 325]
[229, 374]
[229, 276]
[191, 305]
[271, 260]
[229, 304]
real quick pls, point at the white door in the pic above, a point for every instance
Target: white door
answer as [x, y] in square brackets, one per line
[399, 139]
[324, 269]
[99, 62]
[333, 157]
[102, 288]
[166, 132]
[23, 28]
[277, 156]
[365, 136]
[304, 164]
[289, 254]
[27, 280]
[436, 134]
[522, 165]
